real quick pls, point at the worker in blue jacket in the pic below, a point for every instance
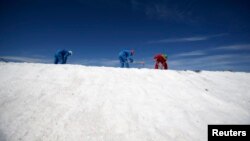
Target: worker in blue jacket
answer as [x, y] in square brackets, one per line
[125, 57]
[61, 56]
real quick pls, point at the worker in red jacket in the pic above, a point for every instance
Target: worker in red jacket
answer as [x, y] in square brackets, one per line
[161, 59]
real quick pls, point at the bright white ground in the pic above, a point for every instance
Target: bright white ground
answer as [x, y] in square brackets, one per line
[76, 103]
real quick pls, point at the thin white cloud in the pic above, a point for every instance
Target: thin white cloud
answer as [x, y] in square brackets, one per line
[24, 59]
[207, 62]
[135, 4]
[88, 62]
[109, 63]
[166, 10]
[191, 53]
[97, 62]
[213, 62]
[239, 47]
[187, 39]
[234, 47]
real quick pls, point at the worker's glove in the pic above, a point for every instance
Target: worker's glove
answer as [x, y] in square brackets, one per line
[131, 60]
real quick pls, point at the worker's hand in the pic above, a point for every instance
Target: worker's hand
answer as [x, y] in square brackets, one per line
[131, 60]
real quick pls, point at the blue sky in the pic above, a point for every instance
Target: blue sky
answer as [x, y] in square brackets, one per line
[196, 34]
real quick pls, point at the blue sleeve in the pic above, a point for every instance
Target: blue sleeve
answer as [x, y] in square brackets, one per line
[58, 53]
[123, 54]
[65, 57]
[131, 60]
[126, 55]
[130, 57]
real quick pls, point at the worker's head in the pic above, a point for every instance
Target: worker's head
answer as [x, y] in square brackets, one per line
[132, 52]
[70, 52]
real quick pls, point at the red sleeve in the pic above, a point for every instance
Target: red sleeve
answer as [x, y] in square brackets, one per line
[164, 58]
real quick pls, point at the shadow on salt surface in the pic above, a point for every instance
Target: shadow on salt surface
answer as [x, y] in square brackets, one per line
[2, 136]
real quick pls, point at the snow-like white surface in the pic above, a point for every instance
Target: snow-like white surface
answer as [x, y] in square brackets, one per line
[40, 102]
